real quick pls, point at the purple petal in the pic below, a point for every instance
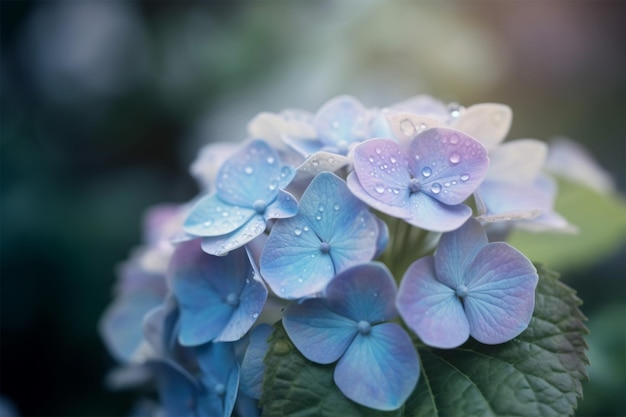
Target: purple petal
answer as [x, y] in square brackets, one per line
[500, 293]
[382, 171]
[292, 263]
[487, 122]
[430, 308]
[405, 126]
[449, 164]
[341, 121]
[363, 292]
[456, 251]
[211, 216]
[383, 237]
[252, 366]
[429, 214]
[321, 335]
[220, 245]
[252, 174]
[501, 199]
[358, 191]
[379, 370]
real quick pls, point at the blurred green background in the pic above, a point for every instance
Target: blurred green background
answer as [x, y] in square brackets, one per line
[104, 104]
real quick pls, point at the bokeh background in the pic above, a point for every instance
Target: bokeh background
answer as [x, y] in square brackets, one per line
[104, 105]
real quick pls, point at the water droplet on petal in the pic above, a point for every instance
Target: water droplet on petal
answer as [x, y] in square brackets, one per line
[426, 172]
[255, 315]
[297, 232]
[465, 177]
[407, 127]
[454, 139]
[248, 170]
[371, 159]
[207, 223]
[393, 159]
[455, 157]
[320, 208]
[435, 188]
[379, 188]
[305, 228]
[270, 160]
[336, 207]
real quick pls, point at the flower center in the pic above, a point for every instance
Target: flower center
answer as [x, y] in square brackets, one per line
[364, 327]
[259, 206]
[414, 185]
[232, 300]
[324, 247]
[461, 291]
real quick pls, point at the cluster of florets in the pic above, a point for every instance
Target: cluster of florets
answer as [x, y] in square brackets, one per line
[359, 228]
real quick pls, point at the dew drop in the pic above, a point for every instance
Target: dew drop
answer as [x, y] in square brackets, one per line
[407, 127]
[371, 159]
[270, 160]
[378, 151]
[455, 157]
[255, 315]
[318, 217]
[305, 228]
[393, 159]
[454, 139]
[207, 223]
[422, 126]
[426, 172]
[336, 207]
[379, 188]
[315, 162]
[320, 208]
[435, 188]
[465, 177]
[297, 232]
[248, 170]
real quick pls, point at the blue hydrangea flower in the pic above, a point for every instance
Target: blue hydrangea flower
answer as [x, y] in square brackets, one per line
[248, 194]
[219, 297]
[338, 124]
[377, 364]
[424, 183]
[332, 231]
[470, 287]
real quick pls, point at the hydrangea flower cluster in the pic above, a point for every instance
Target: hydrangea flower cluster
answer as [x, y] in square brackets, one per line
[362, 230]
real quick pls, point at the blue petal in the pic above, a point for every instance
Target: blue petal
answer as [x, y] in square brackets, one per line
[501, 293]
[449, 164]
[161, 327]
[202, 284]
[383, 237]
[363, 292]
[292, 263]
[379, 370]
[430, 308]
[120, 325]
[321, 335]
[252, 366]
[211, 216]
[219, 368]
[382, 170]
[339, 219]
[342, 119]
[456, 251]
[251, 302]
[429, 214]
[178, 391]
[252, 174]
[284, 206]
[221, 245]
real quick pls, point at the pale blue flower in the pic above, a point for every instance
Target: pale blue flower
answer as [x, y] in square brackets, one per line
[426, 182]
[248, 193]
[377, 365]
[470, 287]
[332, 231]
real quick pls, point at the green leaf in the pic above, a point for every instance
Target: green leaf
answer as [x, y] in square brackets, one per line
[600, 218]
[539, 373]
[295, 386]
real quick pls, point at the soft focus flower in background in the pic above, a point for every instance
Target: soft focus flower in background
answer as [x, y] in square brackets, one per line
[105, 105]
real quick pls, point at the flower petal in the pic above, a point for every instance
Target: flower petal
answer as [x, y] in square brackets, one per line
[357, 189]
[429, 214]
[342, 119]
[251, 174]
[211, 216]
[456, 251]
[252, 366]
[321, 335]
[251, 302]
[405, 126]
[321, 161]
[284, 206]
[430, 308]
[220, 245]
[518, 162]
[449, 164]
[501, 293]
[292, 263]
[382, 171]
[487, 122]
[380, 369]
[363, 292]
